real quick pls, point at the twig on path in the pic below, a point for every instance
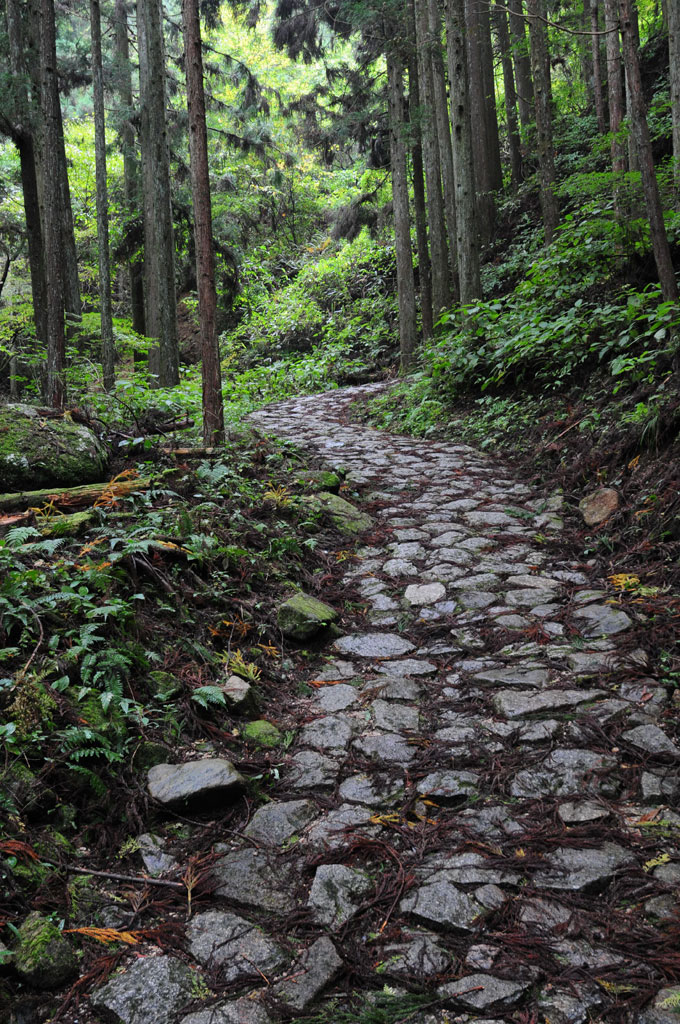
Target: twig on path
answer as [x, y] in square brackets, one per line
[139, 879]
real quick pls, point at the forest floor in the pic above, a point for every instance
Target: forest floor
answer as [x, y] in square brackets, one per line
[471, 816]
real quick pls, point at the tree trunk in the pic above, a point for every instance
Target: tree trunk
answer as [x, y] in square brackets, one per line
[52, 142]
[586, 55]
[26, 116]
[443, 125]
[540, 69]
[510, 93]
[102, 197]
[487, 164]
[213, 410]
[402, 226]
[598, 91]
[662, 254]
[615, 88]
[130, 161]
[441, 292]
[673, 7]
[520, 47]
[420, 210]
[159, 244]
[72, 301]
[466, 219]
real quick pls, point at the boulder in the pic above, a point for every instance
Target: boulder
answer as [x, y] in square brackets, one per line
[194, 783]
[597, 506]
[346, 517]
[262, 733]
[151, 989]
[43, 958]
[301, 616]
[37, 452]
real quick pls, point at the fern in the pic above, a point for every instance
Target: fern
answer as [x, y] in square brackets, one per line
[98, 787]
[18, 535]
[207, 695]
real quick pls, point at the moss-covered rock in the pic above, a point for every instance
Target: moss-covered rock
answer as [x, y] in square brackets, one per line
[262, 733]
[73, 525]
[301, 616]
[36, 452]
[44, 958]
[319, 480]
[148, 754]
[346, 517]
[163, 684]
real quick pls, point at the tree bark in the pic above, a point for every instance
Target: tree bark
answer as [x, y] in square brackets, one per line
[643, 143]
[487, 164]
[102, 198]
[213, 410]
[520, 47]
[615, 90]
[598, 91]
[441, 292]
[514, 146]
[159, 243]
[673, 8]
[52, 142]
[420, 209]
[130, 162]
[540, 69]
[443, 125]
[466, 218]
[402, 226]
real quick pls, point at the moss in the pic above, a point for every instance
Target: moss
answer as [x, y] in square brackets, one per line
[163, 684]
[262, 733]
[346, 517]
[302, 616]
[44, 957]
[37, 452]
[32, 706]
[319, 480]
[93, 714]
[67, 526]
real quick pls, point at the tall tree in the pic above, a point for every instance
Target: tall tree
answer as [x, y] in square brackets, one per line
[540, 70]
[213, 411]
[443, 126]
[102, 197]
[673, 14]
[52, 196]
[598, 91]
[159, 243]
[487, 160]
[123, 81]
[522, 62]
[419, 207]
[510, 93]
[402, 226]
[466, 218]
[643, 143]
[615, 90]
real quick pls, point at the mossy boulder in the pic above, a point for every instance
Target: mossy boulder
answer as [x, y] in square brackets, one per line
[319, 480]
[44, 958]
[163, 684]
[37, 452]
[302, 616]
[148, 754]
[262, 733]
[346, 517]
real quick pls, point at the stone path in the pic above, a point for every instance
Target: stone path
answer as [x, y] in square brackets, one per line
[478, 802]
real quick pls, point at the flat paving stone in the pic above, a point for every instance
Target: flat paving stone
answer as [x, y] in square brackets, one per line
[336, 893]
[374, 645]
[237, 947]
[257, 879]
[317, 968]
[371, 790]
[572, 870]
[331, 733]
[310, 770]
[276, 822]
[394, 717]
[652, 740]
[424, 593]
[384, 746]
[237, 1011]
[601, 620]
[484, 992]
[520, 703]
[407, 667]
[449, 787]
[440, 904]
[564, 773]
[337, 698]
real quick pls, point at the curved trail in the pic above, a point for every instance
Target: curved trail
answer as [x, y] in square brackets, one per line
[471, 807]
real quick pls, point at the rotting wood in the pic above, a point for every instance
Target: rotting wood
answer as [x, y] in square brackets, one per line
[71, 497]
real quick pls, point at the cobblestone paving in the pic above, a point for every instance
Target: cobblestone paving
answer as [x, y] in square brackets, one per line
[478, 801]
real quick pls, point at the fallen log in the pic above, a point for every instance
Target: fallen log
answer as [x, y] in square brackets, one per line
[72, 497]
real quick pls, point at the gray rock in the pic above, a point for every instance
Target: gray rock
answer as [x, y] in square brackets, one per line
[46, 452]
[239, 694]
[195, 782]
[336, 893]
[449, 787]
[151, 989]
[337, 670]
[544, 914]
[424, 593]
[472, 868]
[330, 733]
[238, 1011]
[527, 598]
[440, 904]
[374, 645]
[484, 992]
[318, 967]
[331, 831]
[384, 746]
[569, 1006]
[393, 688]
[240, 949]
[564, 772]
[484, 519]
[302, 616]
[591, 663]
[276, 822]
[579, 812]
[337, 698]
[347, 517]
[514, 676]
[407, 667]
[418, 956]
[520, 703]
[399, 567]
[651, 740]
[601, 620]
[482, 581]
[573, 870]
[310, 769]
[476, 599]
[368, 790]
[511, 621]
[394, 717]
[255, 879]
[155, 860]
